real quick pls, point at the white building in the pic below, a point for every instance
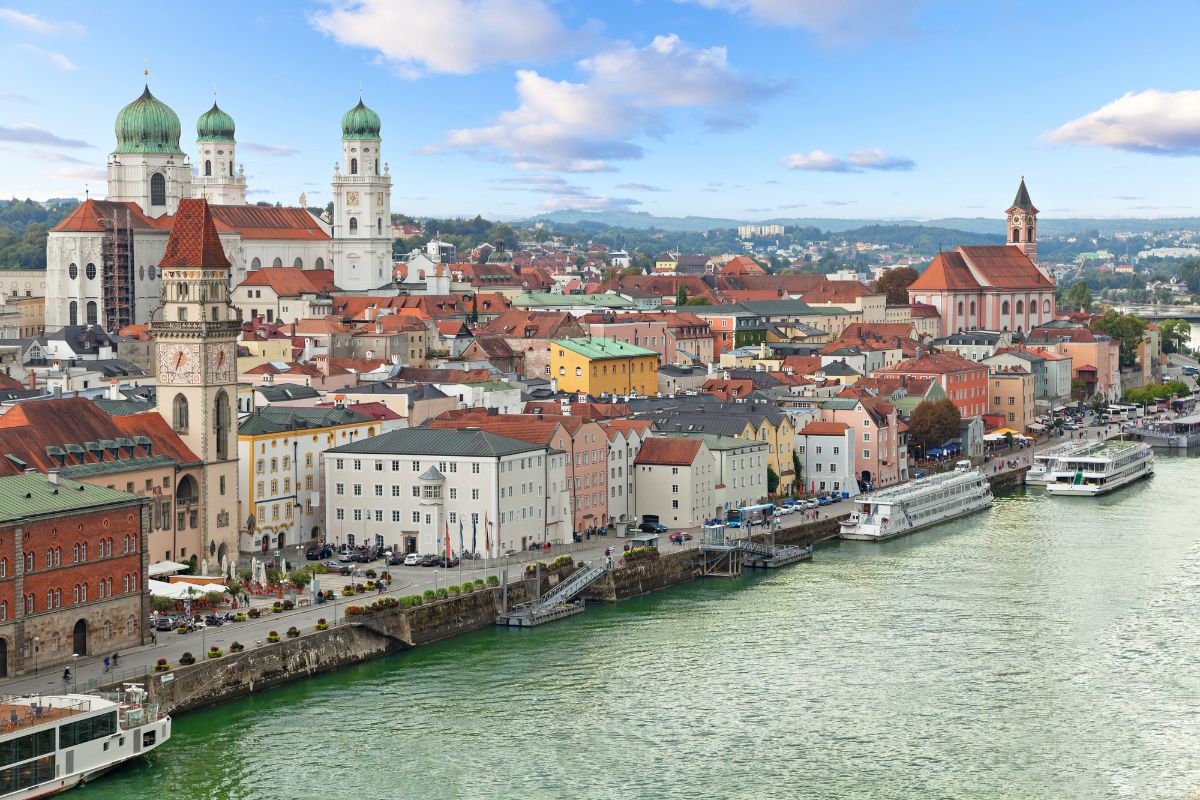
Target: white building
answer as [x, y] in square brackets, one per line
[741, 468]
[623, 445]
[826, 452]
[676, 481]
[411, 486]
[362, 201]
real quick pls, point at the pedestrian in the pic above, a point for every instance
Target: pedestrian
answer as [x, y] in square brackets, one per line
[115, 656]
[106, 663]
[66, 678]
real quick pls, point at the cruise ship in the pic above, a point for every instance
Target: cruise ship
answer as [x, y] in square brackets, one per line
[51, 743]
[919, 504]
[1044, 461]
[1100, 468]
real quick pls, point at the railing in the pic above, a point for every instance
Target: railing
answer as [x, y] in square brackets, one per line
[572, 586]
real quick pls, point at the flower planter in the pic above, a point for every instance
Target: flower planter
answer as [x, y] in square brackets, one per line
[293, 632]
[162, 665]
[273, 636]
[237, 647]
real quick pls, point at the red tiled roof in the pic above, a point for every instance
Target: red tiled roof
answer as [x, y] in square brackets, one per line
[670, 451]
[946, 271]
[835, 292]
[614, 426]
[824, 429]
[742, 265]
[269, 222]
[193, 241]
[999, 266]
[1086, 368]
[291, 282]
[522, 324]
[924, 310]
[934, 364]
[375, 410]
[97, 216]
[9, 382]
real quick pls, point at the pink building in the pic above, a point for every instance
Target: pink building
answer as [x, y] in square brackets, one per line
[876, 437]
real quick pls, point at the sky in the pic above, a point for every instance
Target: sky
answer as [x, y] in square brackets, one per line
[748, 109]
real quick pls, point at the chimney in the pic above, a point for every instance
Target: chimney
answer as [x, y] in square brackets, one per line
[114, 390]
[52, 476]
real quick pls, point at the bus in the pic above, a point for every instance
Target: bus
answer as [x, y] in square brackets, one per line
[746, 516]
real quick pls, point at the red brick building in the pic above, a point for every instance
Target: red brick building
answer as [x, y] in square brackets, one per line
[964, 381]
[73, 566]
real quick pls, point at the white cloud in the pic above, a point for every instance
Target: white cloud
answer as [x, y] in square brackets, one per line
[32, 134]
[840, 21]
[870, 158]
[79, 174]
[564, 195]
[55, 59]
[13, 97]
[1160, 123]
[35, 24]
[457, 37]
[567, 126]
[269, 149]
[640, 187]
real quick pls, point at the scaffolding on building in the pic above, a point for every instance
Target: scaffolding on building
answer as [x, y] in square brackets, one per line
[117, 273]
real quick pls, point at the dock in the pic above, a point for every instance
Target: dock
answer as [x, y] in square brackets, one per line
[558, 603]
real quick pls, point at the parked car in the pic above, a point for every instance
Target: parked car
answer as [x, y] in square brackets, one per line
[811, 503]
[822, 500]
[165, 622]
[835, 498]
[652, 527]
[444, 561]
[412, 559]
[333, 566]
[429, 560]
[679, 537]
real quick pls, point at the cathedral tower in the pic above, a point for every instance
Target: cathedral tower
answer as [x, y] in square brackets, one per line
[197, 336]
[1022, 223]
[362, 202]
[216, 160]
[147, 165]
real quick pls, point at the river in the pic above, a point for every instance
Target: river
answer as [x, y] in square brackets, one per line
[1047, 648]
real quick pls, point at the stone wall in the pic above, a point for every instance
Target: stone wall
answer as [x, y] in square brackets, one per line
[643, 577]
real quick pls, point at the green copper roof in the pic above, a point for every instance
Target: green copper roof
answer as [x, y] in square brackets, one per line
[32, 495]
[148, 125]
[600, 347]
[360, 122]
[214, 125]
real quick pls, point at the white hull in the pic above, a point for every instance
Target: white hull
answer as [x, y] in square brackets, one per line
[871, 534]
[1037, 478]
[1061, 489]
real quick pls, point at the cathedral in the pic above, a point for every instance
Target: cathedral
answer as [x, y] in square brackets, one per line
[104, 261]
[994, 288]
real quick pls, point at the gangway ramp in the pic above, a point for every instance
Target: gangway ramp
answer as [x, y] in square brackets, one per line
[557, 603]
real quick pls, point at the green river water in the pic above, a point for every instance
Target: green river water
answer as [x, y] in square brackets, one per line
[1047, 648]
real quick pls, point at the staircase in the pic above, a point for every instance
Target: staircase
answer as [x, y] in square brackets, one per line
[556, 603]
[574, 584]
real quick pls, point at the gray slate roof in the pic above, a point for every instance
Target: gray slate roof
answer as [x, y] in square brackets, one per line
[280, 419]
[439, 442]
[278, 394]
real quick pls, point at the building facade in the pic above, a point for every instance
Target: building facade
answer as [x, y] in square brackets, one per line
[603, 367]
[362, 201]
[676, 481]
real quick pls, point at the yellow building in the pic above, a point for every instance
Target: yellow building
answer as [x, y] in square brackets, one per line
[597, 366]
[260, 351]
[1011, 397]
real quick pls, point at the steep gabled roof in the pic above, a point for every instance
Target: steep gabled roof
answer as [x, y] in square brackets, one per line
[668, 451]
[1022, 201]
[97, 216]
[292, 282]
[269, 222]
[193, 242]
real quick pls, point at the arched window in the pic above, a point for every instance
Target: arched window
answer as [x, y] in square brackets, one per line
[298, 263]
[73, 271]
[379, 226]
[207, 167]
[354, 166]
[91, 312]
[1016, 234]
[221, 424]
[377, 166]
[1046, 306]
[1020, 306]
[255, 263]
[320, 263]
[90, 272]
[158, 190]
[353, 226]
[1029, 234]
[972, 308]
[960, 308]
[179, 414]
[73, 313]
[1004, 308]
[278, 262]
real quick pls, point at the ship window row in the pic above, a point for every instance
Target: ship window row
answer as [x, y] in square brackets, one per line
[85, 730]
[26, 747]
[28, 774]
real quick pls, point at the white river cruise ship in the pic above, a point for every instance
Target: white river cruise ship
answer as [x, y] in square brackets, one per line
[1100, 468]
[1044, 461]
[51, 743]
[919, 504]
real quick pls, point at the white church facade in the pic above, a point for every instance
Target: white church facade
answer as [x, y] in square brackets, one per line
[102, 261]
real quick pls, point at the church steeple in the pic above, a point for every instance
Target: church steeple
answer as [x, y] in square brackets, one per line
[1022, 223]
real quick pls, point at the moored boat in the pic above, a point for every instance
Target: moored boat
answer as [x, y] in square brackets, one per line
[1044, 461]
[918, 504]
[54, 742]
[1100, 468]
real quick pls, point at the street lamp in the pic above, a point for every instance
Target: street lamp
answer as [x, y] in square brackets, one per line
[36, 647]
[75, 672]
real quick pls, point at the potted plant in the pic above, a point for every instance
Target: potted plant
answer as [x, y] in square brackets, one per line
[371, 574]
[454, 589]
[429, 594]
[187, 658]
[237, 647]
[293, 632]
[215, 652]
[288, 605]
[347, 591]
[442, 594]
[492, 580]
[479, 583]
[239, 617]
[254, 613]
[182, 629]
[273, 636]
[322, 625]
[277, 608]
[161, 665]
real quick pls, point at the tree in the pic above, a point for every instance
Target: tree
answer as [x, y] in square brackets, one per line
[772, 480]
[799, 479]
[681, 297]
[1078, 296]
[1125, 329]
[934, 423]
[1176, 333]
[301, 578]
[541, 235]
[894, 283]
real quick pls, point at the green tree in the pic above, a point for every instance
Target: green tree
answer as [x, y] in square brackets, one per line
[799, 479]
[1078, 296]
[1125, 329]
[681, 297]
[301, 578]
[1176, 333]
[772, 480]
[541, 235]
[934, 423]
[894, 283]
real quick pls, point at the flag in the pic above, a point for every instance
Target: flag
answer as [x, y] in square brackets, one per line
[487, 537]
[498, 547]
[460, 536]
[473, 550]
[447, 538]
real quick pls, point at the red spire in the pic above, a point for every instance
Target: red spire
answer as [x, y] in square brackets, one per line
[194, 241]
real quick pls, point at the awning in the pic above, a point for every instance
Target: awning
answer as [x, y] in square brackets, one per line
[165, 568]
[181, 590]
[1034, 426]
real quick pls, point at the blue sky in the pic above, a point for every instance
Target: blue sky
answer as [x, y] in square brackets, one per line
[750, 109]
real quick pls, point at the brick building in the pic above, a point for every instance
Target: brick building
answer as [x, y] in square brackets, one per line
[73, 564]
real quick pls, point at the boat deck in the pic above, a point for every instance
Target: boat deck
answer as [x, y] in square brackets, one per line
[14, 717]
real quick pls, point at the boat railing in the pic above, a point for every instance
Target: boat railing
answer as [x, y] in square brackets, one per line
[60, 702]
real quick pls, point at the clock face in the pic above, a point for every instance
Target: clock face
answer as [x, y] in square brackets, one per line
[178, 363]
[351, 198]
[222, 361]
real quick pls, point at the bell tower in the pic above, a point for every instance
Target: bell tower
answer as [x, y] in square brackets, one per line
[196, 331]
[221, 180]
[362, 202]
[1022, 223]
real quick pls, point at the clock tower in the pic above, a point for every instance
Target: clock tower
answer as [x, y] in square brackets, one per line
[362, 202]
[1022, 223]
[196, 332]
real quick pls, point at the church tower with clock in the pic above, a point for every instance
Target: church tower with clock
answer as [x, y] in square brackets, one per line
[362, 202]
[1022, 223]
[196, 331]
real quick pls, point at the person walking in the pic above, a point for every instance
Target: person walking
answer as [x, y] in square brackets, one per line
[107, 662]
[66, 679]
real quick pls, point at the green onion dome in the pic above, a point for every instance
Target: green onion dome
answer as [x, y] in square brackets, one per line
[360, 122]
[214, 125]
[148, 125]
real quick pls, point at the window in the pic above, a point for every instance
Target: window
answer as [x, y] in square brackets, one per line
[73, 312]
[395, 491]
[180, 414]
[207, 167]
[866, 436]
[474, 494]
[416, 491]
[339, 513]
[474, 469]
[358, 490]
[674, 488]
[378, 490]
[339, 488]
[674, 504]
[158, 190]
[416, 517]
[866, 453]
[354, 168]
[453, 493]
[91, 314]
[416, 466]
[358, 515]
[353, 226]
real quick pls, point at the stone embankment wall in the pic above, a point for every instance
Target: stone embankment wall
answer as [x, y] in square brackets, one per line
[1009, 479]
